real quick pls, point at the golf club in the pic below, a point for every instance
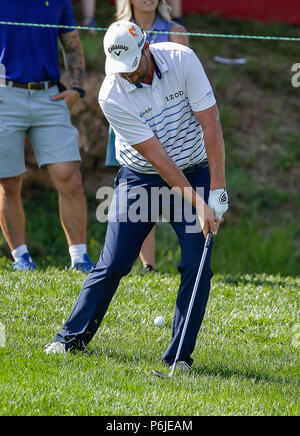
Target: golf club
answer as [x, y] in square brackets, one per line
[206, 246]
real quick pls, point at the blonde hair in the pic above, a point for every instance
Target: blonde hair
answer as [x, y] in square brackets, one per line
[124, 10]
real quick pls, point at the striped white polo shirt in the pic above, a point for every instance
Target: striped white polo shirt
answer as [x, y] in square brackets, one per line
[164, 108]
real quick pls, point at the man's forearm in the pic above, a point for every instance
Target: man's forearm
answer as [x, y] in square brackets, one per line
[168, 170]
[215, 151]
[214, 145]
[74, 57]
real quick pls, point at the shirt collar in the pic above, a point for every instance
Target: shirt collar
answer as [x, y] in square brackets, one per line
[159, 60]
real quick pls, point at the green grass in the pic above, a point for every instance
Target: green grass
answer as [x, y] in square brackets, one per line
[289, 154]
[245, 361]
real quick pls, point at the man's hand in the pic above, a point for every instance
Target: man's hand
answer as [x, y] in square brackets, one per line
[70, 97]
[218, 202]
[207, 218]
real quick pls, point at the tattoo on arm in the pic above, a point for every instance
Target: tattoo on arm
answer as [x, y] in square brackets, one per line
[74, 57]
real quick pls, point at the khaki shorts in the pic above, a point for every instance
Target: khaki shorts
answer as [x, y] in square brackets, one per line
[46, 122]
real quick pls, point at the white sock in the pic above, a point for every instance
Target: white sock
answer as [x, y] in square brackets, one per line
[77, 252]
[18, 252]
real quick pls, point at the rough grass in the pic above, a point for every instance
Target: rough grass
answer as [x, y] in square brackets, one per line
[246, 357]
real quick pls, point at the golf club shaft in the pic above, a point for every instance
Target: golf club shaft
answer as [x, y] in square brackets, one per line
[206, 246]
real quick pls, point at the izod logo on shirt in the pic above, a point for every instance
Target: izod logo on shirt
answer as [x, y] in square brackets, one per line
[175, 95]
[47, 3]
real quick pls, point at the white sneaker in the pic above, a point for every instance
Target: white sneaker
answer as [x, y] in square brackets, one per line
[182, 366]
[55, 348]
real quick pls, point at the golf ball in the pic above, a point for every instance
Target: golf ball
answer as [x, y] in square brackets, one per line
[159, 321]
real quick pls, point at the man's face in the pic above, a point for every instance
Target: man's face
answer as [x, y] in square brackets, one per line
[139, 74]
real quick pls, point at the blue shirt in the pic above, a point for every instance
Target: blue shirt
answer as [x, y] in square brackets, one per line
[160, 24]
[30, 54]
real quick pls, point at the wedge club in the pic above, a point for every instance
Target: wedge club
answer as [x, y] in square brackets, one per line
[199, 273]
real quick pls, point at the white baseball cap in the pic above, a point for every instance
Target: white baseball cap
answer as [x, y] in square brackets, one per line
[123, 44]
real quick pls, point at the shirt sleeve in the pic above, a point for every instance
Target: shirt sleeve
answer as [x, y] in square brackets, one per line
[199, 90]
[67, 17]
[129, 130]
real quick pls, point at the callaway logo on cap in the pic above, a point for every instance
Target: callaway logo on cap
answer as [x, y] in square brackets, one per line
[123, 43]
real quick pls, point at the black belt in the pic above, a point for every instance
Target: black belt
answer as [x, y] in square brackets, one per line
[196, 166]
[36, 86]
[202, 164]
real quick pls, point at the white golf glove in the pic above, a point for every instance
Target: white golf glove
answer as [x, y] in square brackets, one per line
[218, 201]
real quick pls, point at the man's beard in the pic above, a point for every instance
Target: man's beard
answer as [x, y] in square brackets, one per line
[140, 77]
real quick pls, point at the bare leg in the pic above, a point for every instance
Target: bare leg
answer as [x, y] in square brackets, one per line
[147, 253]
[88, 10]
[176, 10]
[72, 203]
[88, 7]
[12, 218]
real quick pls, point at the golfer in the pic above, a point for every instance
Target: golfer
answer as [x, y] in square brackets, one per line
[160, 104]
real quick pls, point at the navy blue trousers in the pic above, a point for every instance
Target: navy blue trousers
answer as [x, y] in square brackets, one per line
[123, 242]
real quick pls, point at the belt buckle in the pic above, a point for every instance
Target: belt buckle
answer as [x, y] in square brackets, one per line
[29, 84]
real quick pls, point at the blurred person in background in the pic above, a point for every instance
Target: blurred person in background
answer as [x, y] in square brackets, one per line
[33, 102]
[176, 11]
[152, 16]
[88, 8]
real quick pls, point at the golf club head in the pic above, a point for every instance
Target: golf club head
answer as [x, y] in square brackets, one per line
[160, 374]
